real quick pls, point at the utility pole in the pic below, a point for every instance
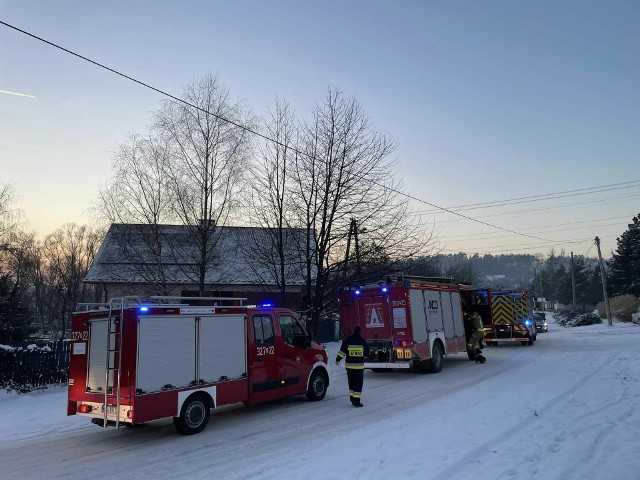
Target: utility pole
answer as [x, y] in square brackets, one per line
[541, 289]
[353, 232]
[573, 285]
[604, 284]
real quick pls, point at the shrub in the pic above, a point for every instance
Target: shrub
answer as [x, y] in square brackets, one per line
[621, 306]
[574, 318]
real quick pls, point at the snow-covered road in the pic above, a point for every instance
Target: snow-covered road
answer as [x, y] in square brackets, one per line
[567, 407]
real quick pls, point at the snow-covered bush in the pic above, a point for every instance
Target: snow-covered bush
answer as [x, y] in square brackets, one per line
[622, 307]
[574, 318]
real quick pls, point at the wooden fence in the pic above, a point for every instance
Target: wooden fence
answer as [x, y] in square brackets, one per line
[29, 368]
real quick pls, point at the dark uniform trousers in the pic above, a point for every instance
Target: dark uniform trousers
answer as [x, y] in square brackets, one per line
[355, 377]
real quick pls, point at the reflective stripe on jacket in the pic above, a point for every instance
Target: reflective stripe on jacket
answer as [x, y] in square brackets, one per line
[477, 322]
[354, 350]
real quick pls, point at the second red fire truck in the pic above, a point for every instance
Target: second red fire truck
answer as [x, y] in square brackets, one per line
[409, 322]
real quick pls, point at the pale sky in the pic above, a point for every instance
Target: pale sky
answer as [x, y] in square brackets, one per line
[488, 100]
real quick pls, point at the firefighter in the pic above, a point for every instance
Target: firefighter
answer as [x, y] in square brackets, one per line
[354, 349]
[475, 338]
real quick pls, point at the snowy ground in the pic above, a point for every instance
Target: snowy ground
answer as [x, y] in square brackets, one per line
[566, 408]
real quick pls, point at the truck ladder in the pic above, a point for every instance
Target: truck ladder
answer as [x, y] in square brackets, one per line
[114, 349]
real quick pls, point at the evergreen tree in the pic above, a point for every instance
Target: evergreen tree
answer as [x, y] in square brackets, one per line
[593, 293]
[15, 317]
[581, 275]
[625, 262]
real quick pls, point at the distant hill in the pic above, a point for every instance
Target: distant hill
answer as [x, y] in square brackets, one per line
[512, 270]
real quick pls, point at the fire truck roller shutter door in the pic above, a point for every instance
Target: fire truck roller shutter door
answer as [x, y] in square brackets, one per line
[447, 315]
[166, 353]
[97, 356]
[434, 311]
[223, 347]
[458, 320]
[418, 317]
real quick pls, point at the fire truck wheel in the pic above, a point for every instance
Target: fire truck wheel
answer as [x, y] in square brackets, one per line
[317, 386]
[194, 415]
[435, 364]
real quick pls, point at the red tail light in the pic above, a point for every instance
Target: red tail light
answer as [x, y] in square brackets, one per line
[129, 413]
[85, 408]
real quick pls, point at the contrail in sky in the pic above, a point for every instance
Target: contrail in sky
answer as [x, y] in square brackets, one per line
[19, 94]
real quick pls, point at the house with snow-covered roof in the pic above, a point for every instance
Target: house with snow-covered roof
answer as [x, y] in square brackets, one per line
[235, 262]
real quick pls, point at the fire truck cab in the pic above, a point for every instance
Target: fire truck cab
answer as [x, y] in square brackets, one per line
[133, 362]
[409, 322]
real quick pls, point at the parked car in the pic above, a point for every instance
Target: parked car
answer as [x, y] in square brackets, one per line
[541, 322]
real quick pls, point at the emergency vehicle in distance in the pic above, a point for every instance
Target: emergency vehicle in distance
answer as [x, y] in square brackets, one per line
[511, 313]
[410, 322]
[133, 362]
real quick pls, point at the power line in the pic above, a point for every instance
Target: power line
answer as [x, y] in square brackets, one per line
[475, 237]
[550, 207]
[592, 245]
[526, 246]
[571, 241]
[546, 196]
[490, 251]
[247, 129]
[556, 225]
[558, 207]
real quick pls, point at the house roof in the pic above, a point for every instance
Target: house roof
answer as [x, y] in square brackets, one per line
[170, 254]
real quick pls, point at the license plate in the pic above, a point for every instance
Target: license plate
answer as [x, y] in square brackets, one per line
[404, 354]
[111, 409]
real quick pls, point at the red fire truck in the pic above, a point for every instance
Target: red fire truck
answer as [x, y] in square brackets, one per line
[512, 318]
[133, 362]
[409, 322]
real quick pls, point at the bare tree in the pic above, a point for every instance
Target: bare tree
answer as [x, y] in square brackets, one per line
[137, 194]
[10, 217]
[208, 153]
[346, 173]
[272, 251]
[67, 256]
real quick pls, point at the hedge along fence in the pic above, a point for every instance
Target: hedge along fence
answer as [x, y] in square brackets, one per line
[27, 368]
